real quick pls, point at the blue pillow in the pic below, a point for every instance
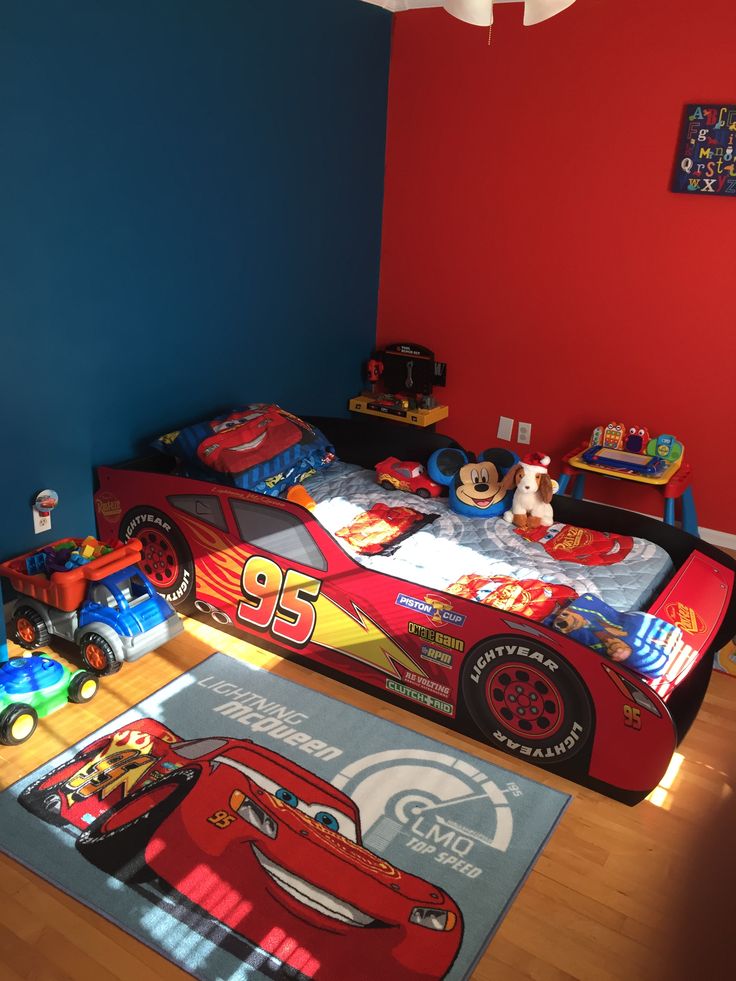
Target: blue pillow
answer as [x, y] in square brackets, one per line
[259, 447]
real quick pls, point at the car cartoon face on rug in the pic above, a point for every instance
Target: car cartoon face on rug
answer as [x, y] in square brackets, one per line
[255, 841]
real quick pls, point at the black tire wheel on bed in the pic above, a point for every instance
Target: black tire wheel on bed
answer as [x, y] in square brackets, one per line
[42, 797]
[387, 485]
[423, 493]
[166, 558]
[116, 842]
[532, 705]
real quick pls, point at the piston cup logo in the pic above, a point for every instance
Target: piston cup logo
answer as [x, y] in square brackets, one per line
[441, 807]
[438, 608]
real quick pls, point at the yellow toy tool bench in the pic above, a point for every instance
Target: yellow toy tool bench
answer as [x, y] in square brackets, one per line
[631, 453]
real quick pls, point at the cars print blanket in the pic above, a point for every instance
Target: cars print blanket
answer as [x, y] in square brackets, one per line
[623, 572]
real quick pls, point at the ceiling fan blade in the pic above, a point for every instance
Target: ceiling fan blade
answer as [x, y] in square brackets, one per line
[478, 12]
[535, 11]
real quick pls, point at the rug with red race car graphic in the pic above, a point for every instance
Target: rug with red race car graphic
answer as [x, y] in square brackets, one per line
[247, 827]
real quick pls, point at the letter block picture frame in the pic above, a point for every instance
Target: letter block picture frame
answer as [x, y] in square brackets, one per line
[706, 154]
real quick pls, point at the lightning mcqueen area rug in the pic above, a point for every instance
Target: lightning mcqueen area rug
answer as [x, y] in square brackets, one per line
[246, 827]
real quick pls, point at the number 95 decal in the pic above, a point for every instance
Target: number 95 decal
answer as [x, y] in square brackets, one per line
[281, 603]
[632, 716]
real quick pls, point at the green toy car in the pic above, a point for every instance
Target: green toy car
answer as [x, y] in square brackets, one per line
[34, 686]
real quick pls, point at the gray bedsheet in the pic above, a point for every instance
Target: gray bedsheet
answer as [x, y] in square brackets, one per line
[453, 545]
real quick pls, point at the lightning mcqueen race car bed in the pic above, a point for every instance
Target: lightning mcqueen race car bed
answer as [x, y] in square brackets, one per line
[412, 631]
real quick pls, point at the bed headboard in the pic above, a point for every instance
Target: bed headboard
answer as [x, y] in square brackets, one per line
[366, 442]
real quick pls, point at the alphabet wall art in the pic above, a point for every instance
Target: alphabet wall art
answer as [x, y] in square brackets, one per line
[706, 156]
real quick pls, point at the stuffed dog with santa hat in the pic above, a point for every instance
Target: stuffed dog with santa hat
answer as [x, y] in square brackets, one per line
[531, 506]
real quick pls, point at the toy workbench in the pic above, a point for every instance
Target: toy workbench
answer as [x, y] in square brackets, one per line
[379, 408]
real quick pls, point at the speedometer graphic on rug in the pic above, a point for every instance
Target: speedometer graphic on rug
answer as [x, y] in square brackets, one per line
[432, 803]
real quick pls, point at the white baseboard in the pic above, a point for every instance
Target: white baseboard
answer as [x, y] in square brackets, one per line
[723, 539]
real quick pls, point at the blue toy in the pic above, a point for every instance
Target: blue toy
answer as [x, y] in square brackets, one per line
[477, 486]
[107, 606]
[639, 640]
[33, 686]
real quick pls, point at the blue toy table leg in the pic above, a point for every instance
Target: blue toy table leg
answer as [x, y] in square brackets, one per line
[689, 516]
[578, 488]
[563, 482]
[669, 510]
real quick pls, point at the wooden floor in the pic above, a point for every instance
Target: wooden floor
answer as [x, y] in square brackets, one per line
[622, 893]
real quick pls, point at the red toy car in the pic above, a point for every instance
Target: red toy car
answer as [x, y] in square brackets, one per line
[406, 475]
[255, 841]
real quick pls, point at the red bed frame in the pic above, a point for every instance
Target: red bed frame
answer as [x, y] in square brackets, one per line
[458, 662]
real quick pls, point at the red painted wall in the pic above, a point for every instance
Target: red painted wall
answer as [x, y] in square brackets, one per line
[530, 237]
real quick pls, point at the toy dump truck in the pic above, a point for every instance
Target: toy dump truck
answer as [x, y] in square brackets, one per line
[93, 595]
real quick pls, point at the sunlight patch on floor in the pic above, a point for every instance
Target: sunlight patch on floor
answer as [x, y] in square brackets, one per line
[661, 796]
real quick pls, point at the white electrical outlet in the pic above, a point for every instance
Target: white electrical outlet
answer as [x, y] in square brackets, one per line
[525, 432]
[41, 521]
[505, 427]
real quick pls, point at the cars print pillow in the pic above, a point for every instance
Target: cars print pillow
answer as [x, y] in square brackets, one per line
[257, 447]
[568, 543]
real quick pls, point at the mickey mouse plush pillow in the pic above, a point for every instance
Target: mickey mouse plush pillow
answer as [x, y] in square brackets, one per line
[478, 487]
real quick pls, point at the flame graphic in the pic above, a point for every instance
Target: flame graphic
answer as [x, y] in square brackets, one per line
[132, 759]
[219, 570]
[219, 565]
[359, 637]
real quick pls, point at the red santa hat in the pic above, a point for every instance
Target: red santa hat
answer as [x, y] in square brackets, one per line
[536, 462]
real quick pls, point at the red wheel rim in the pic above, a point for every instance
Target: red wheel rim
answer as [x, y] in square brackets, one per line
[95, 657]
[159, 559]
[525, 701]
[26, 630]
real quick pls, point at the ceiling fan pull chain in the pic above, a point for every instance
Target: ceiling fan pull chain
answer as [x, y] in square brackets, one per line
[490, 26]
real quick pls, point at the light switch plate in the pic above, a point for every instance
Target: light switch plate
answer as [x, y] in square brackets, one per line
[505, 427]
[525, 432]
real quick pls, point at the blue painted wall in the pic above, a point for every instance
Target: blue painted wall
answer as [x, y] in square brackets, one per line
[190, 202]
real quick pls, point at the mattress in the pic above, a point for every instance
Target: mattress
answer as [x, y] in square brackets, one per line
[452, 546]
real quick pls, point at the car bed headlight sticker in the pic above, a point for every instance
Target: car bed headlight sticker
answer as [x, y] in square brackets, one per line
[433, 919]
[249, 811]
